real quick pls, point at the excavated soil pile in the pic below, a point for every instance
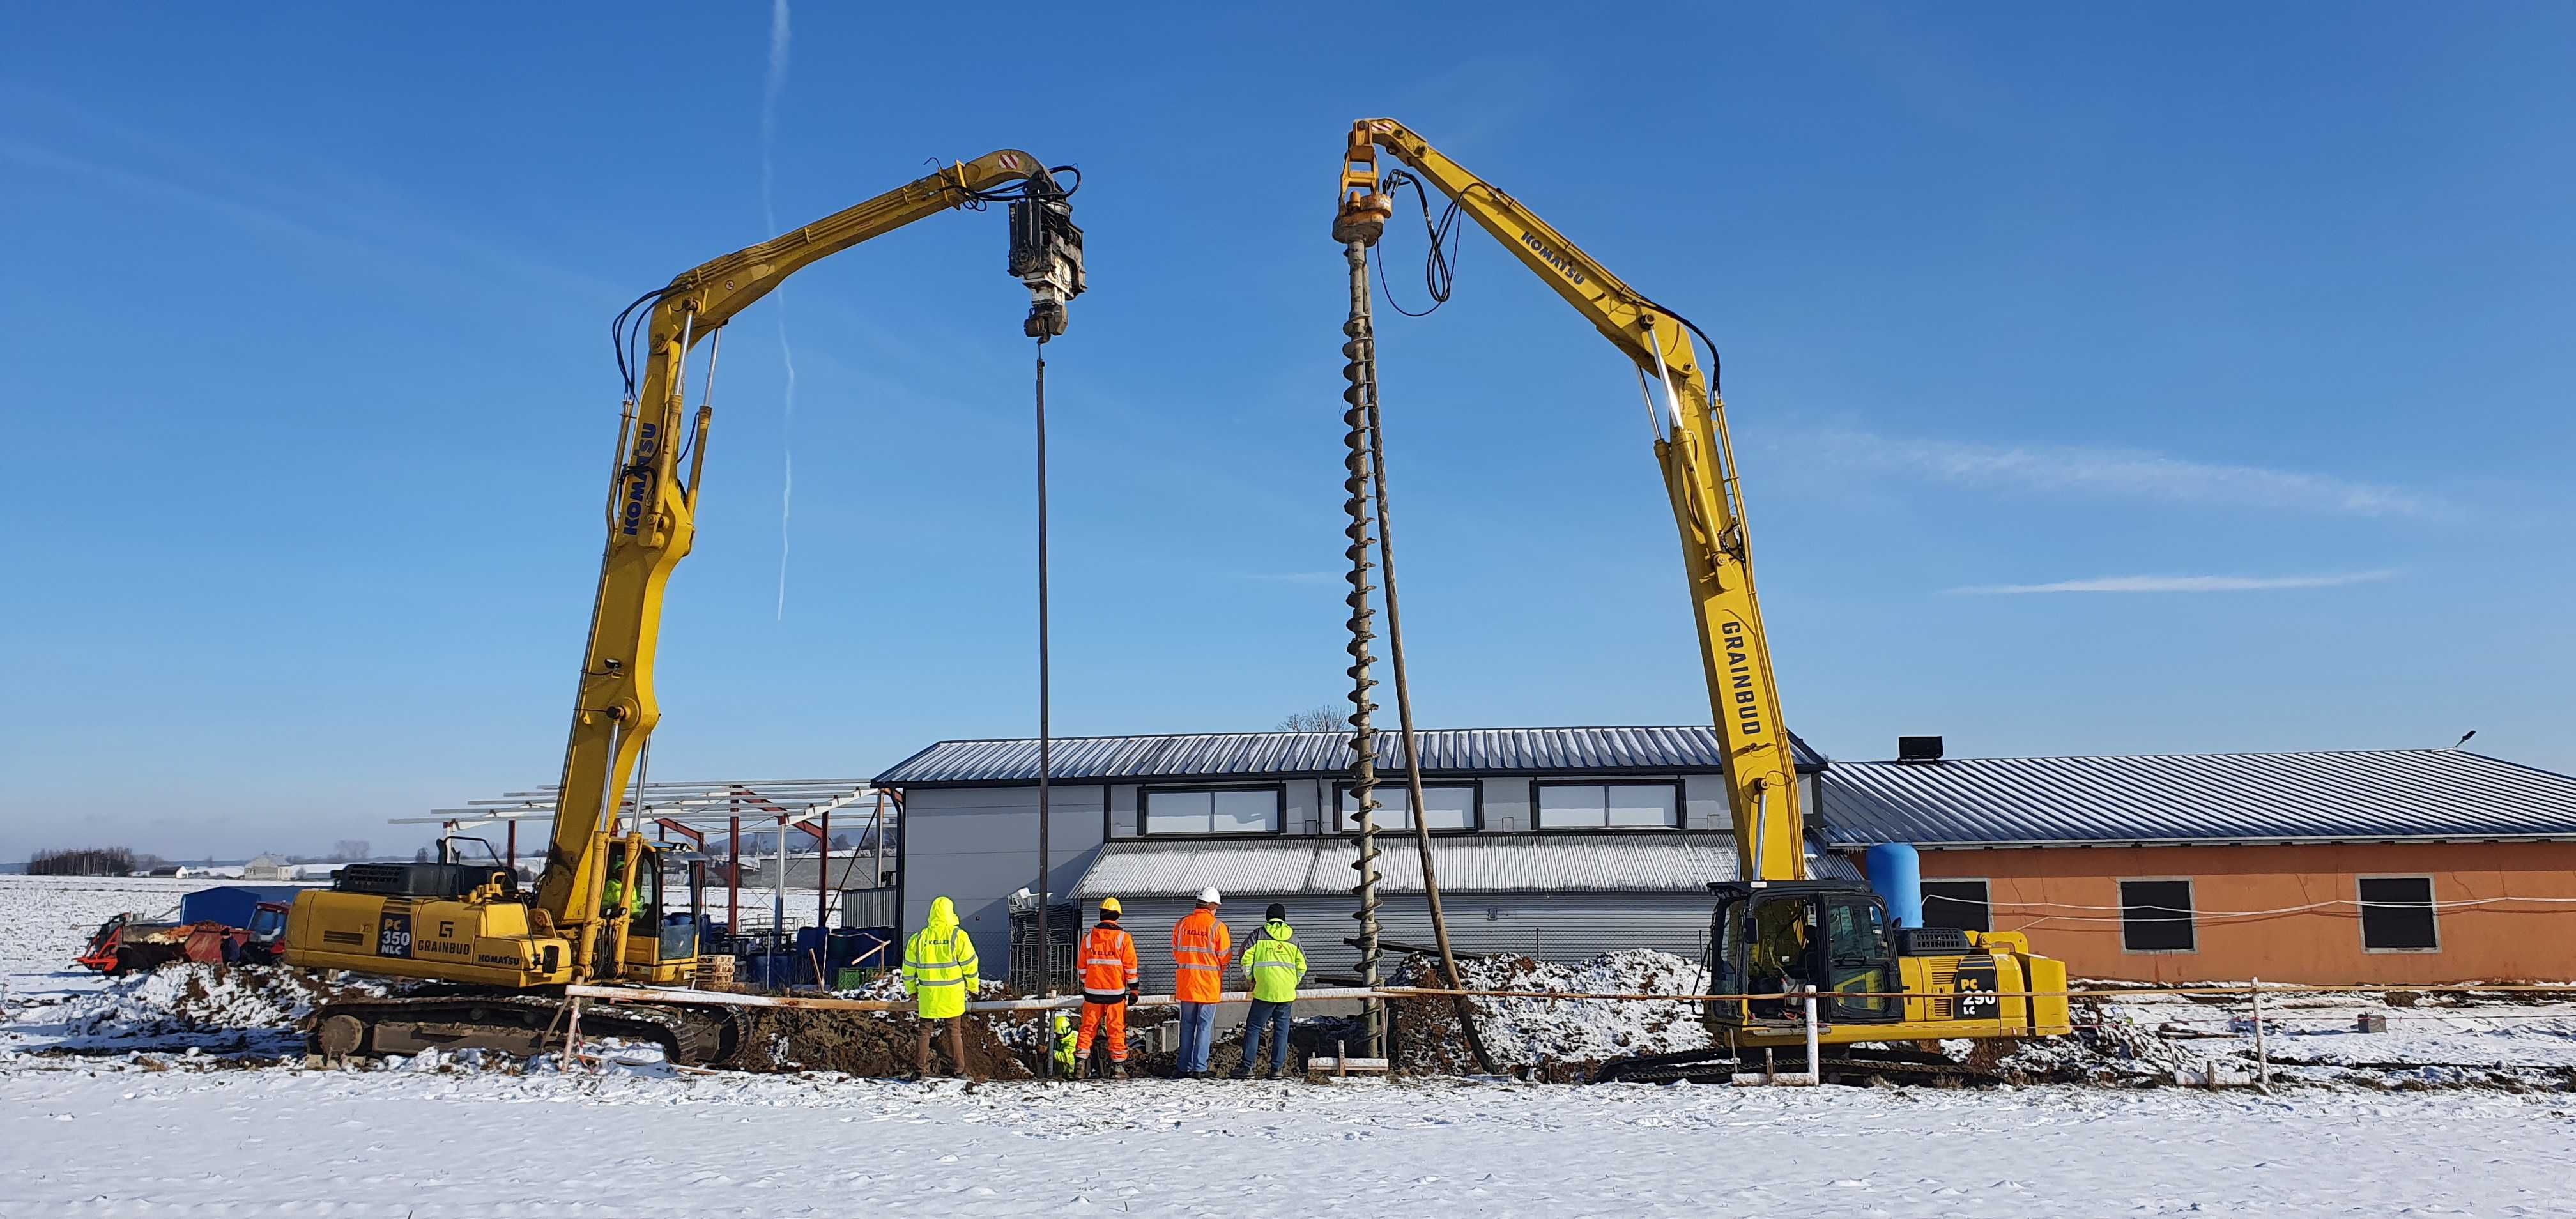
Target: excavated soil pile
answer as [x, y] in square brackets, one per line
[1549, 1040]
[786, 1040]
[197, 998]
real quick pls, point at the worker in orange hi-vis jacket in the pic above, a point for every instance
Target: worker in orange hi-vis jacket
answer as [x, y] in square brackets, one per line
[1201, 948]
[1108, 984]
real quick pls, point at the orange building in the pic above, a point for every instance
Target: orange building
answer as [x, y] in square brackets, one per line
[2346, 867]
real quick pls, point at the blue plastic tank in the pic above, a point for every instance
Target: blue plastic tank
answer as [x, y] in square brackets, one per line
[1896, 871]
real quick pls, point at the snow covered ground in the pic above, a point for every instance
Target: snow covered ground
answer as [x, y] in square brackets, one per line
[44, 920]
[75, 1140]
[2433, 1035]
[142, 1098]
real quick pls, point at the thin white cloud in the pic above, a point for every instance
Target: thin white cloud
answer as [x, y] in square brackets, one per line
[2179, 584]
[2124, 474]
[770, 88]
[393, 237]
[1293, 577]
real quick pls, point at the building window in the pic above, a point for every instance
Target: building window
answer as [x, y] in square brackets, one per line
[1453, 807]
[1616, 806]
[2155, 916]
[1957, 903]
[1240, 810]
[2397, 914]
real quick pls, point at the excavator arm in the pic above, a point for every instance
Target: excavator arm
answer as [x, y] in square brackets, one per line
[1698, 465]
[652, 506]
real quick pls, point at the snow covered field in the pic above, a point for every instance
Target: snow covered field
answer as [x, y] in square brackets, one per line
[44, 920]
[134, 1125]
[425, 1144]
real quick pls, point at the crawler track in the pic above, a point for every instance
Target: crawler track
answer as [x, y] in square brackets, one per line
[1848, 1066]
[511, 1023]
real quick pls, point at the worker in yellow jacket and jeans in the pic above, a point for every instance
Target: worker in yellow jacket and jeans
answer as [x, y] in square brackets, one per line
[939, 974]
[1275, 966]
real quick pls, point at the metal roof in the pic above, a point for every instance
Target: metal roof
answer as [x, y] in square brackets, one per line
[2345, 795]
[1261, 754]
[1467, 863]
[795, 801]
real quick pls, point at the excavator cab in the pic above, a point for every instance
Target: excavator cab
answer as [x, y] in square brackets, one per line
[1874, 981]
[1789, 936]
[661, 944]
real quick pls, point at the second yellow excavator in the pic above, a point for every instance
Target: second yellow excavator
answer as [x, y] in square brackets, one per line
[1775, 929]
[502, 955]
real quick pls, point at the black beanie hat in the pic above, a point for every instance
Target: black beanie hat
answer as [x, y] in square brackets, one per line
[1277, 913]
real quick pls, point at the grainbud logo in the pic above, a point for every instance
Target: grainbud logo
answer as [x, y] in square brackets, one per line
[1743, 689]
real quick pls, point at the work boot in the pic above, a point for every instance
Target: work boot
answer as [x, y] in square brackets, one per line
[1269, 1072]
[1118, 1070]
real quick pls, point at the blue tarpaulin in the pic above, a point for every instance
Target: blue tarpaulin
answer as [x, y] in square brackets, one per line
[232, 905]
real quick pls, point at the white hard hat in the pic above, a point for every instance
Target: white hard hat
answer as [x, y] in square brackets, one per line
[1209, 895]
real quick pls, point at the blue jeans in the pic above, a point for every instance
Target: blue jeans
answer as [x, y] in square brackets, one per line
[1198, 1035]
[1274, 1017]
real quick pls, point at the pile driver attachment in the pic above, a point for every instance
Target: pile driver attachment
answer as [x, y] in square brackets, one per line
[1777, 930]
[1046, 255]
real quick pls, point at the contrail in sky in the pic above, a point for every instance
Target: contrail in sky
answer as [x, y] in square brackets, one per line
[2179, 584]
[775, 84]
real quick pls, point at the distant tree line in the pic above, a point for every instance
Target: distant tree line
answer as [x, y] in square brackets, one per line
[84, 861]
[346, 850]
[1314, 719]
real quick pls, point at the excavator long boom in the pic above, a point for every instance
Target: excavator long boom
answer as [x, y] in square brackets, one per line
[652, 508]
[1699, 475]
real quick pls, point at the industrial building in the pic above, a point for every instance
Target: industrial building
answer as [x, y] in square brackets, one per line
[2392, 866]
[1561, 842]
[2369, 866]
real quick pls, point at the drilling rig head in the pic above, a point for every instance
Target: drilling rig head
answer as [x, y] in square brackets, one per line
[1046, 254]
[1364, 209]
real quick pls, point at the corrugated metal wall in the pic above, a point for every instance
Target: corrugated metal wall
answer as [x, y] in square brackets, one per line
[976, 845]
[1554, 926]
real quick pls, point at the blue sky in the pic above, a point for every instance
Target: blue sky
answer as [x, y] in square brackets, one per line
[2105, 381]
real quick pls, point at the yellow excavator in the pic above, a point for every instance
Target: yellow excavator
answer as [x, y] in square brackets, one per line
[1776, 929]
[497, 956]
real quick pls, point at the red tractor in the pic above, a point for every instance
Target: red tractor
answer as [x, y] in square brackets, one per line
[129, 944]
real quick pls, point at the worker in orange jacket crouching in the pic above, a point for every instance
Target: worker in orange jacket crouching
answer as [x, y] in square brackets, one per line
[1108, 983]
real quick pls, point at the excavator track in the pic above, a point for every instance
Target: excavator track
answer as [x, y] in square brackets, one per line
[519, 1024]
[1850, 1065]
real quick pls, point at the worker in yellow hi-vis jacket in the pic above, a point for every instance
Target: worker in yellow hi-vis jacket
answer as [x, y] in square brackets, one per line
[1275, 966]
[939, 973]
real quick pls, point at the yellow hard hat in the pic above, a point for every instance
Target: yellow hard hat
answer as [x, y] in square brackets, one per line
[1109, 905]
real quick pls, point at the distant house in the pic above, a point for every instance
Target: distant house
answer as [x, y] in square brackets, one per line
[2363, 866]
[268, 867]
